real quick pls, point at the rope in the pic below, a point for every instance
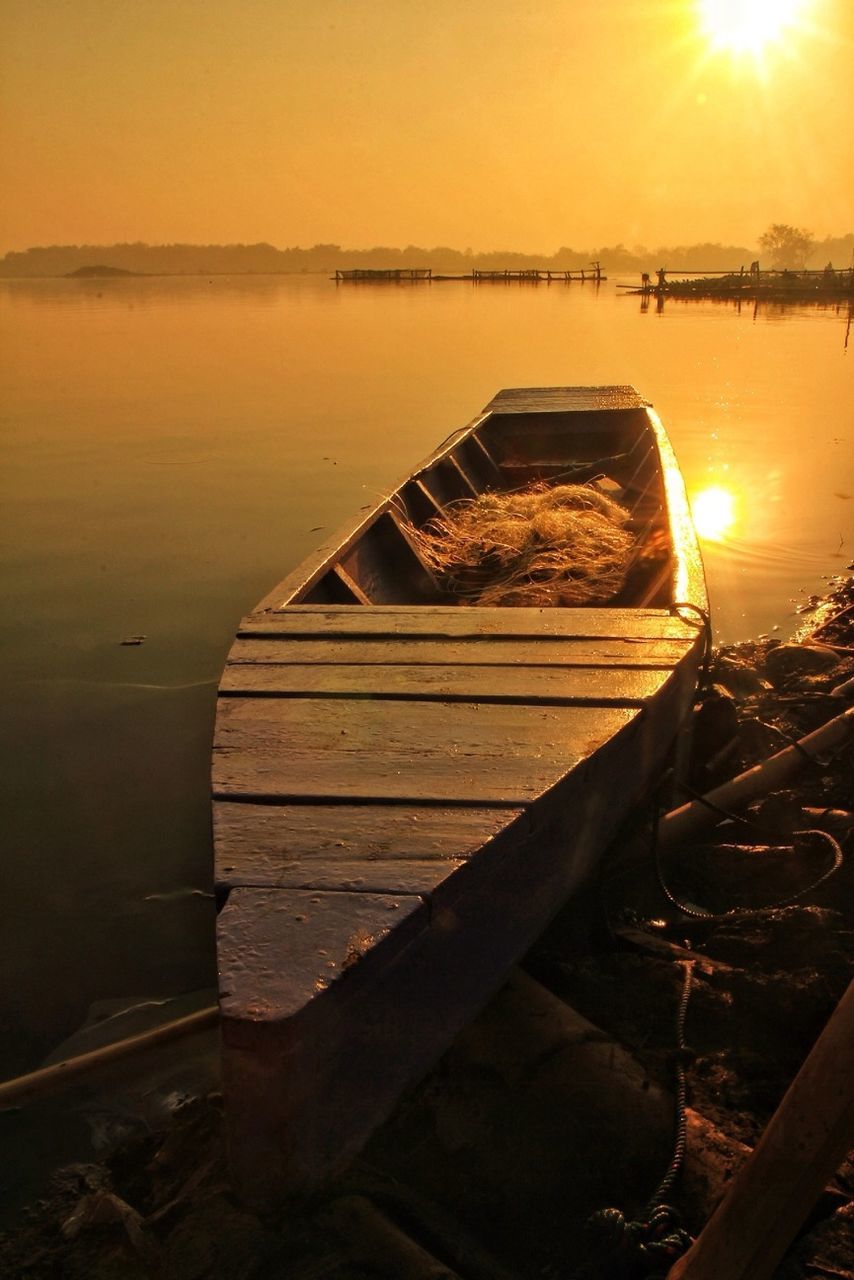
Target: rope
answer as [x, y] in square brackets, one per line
[706, 624]
[666, 1185]
[655, 1239]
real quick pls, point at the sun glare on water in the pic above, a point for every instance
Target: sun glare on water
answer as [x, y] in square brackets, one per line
[748, 26]
[714, 512]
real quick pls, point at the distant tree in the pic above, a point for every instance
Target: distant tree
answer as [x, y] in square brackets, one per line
[788, 247]
[836, 249]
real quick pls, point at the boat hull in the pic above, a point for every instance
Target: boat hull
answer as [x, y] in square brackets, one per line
[406, 790]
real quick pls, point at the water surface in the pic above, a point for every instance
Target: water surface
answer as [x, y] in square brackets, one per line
[170, 447]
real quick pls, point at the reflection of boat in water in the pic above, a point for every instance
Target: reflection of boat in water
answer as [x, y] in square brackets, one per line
[407, 789]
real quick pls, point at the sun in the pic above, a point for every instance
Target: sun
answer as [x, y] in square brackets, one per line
[714, 512]
[748, 26]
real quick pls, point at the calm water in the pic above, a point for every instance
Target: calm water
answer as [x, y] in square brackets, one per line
[171, 447]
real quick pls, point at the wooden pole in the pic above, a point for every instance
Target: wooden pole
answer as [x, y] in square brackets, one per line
[774, 772]
[805, 1142]
[46, 1079]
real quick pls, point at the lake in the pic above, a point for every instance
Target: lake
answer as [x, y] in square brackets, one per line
[172, 446]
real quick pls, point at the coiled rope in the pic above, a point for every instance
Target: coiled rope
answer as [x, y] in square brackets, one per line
[654, 1240]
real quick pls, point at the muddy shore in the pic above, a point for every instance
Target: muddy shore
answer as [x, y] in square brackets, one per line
[557, 1105]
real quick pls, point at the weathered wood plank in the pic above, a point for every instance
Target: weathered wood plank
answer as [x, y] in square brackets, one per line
[425, 492]
[279, 949]
[385, 848]
[481, 754]
[480, 462]
[554, 686]
[456, 621]
[467, 480]
[448, 652]
[401, 875]
[564, 399]
[386, 566]
[351, 584]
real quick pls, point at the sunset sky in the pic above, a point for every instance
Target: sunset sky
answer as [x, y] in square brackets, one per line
[524, 124]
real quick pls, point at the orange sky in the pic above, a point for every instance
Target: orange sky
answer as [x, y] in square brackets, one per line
[524, 124]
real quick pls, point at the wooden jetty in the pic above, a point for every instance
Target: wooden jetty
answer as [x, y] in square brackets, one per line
[391, 275]
[405, 790]
[414, 275]
[534, 275]
[826, 285]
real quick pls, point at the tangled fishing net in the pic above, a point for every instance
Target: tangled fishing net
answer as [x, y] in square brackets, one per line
[543, 545]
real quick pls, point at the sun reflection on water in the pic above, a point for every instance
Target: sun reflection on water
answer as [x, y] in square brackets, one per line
[715, 512]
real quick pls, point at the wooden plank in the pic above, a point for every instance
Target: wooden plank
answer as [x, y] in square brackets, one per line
[406, 536]
[480, 462]
[350, 584]
[381, 848]
[540, 685]
[280, 949]
[425, 492]
[411, 876]
[445, 482]
[458, 621]
[470, 484]
[564, 399]
[435, 752]
[387, 567]
[804, 1144]
[549, 653]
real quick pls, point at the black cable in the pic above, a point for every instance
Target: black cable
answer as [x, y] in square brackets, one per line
[716, 808]
[750, 912]
[793, 742]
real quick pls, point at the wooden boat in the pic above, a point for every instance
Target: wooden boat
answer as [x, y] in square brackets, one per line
[407, 789]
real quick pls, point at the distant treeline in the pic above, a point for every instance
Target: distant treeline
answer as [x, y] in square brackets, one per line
[265, 259]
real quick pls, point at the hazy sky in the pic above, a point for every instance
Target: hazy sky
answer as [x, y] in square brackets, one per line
[525, 124]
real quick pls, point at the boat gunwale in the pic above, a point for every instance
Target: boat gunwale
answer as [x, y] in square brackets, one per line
[324, 556]
[686, 573]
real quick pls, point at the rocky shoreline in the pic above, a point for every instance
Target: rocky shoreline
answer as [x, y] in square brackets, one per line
[538, 1145]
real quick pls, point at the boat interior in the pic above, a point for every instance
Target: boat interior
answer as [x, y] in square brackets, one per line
[506, 451]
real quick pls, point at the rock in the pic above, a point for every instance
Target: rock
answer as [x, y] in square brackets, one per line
[778, 814]
[798, 660]
[738, 678]
[758, 740]
[828, 1248]
[103, 1208]
[217, 1240]
[715, 724]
